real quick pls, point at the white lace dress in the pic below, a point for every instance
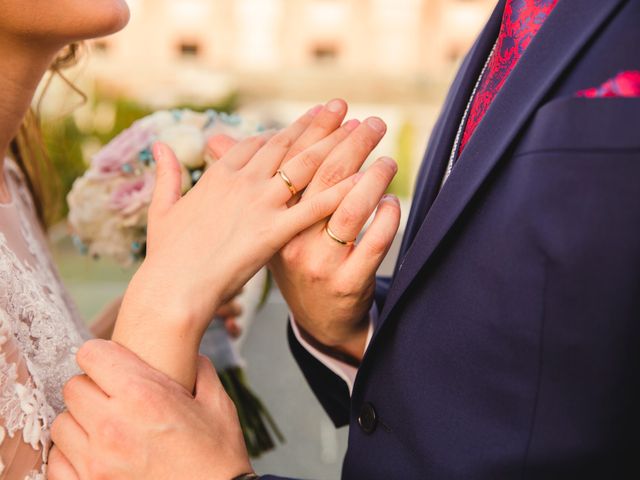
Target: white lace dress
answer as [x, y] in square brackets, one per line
[40, 332]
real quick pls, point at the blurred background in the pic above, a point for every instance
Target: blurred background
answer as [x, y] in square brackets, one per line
[268, 60]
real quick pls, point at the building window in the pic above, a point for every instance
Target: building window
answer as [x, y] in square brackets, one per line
[325, 54]
[189, 49]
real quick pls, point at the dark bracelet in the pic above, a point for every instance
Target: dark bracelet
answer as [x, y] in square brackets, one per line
[246, 476]
[331, 352]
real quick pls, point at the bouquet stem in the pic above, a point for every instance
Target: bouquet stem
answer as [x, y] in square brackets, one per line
[256, 421]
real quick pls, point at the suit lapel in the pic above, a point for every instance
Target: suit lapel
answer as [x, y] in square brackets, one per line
[566, 31]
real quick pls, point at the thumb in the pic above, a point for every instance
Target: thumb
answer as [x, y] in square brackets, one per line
[168, 179]
[208, 385]
[219, 145]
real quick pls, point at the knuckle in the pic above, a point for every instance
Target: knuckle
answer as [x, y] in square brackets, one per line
[315, 270]
[70, 388]
[317, 208]
[349, 215]
[140, 393]
[290, 254]
[282, 140]
[86, 353]
[57, 427]
[56, 466]
[330, 176]
[99, 469]
[294, 151]
[363, 140]
[343, 288]
[112, 434]
[309, 159]
[376, 244]
[255, 141]
[227, 407]
[382, 174]
[323, 124]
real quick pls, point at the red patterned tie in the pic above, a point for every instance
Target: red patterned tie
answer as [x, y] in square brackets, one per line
[520, 23]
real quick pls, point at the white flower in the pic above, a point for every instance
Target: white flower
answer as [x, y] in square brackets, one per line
[195, 119]
[157, 121]
[187, 142]
[105, 231]
[89, 205]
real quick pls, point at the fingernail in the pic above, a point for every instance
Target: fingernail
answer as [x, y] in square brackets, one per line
[390, 198]
[391, 162]
[357, 177]
[377, 124]
[315, 111]
[351, 125]
[335, 106]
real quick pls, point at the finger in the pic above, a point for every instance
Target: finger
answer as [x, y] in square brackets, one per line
[83, 398]
[305, 214]
[71, 440]
[240, 154]
[328, 119]
[208, 385]
[59, 468]
[353, 213]
[269, 159]
[230, 309]
[232, 327]
[301, 168]
[168, 188]
[112, 367]
[368, 255]
[219, 145]
[348, 157]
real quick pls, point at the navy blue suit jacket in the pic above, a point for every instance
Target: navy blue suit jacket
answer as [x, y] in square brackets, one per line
[508, 344]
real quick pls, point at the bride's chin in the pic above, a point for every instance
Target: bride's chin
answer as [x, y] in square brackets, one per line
[114, 19]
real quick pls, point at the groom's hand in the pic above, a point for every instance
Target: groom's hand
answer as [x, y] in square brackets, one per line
[329, 287]
[127, 421]
[327, 280]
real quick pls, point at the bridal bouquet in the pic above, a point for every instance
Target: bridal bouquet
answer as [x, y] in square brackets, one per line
[108, 208]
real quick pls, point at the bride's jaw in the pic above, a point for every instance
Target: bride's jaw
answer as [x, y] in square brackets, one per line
[55, 23]
[32, 32]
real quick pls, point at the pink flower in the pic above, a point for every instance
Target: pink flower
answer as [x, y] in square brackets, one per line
[122, 150]
[133, 195]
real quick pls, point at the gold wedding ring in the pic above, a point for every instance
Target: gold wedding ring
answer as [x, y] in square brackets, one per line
[288, 182]
[337, 239]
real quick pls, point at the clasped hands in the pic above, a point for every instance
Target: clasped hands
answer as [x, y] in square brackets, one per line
[126, 419]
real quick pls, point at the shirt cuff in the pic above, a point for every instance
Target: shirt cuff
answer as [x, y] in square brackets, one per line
[343, 370]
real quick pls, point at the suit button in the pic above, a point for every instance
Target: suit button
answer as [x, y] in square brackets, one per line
[368, 420]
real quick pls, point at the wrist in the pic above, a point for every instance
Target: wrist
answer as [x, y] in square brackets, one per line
[347, 348]
[178, 305]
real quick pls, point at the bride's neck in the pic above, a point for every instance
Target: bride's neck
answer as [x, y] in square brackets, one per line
[22, 67]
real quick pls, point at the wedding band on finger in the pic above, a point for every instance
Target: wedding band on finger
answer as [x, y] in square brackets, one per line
[288, 182]
[337, 239]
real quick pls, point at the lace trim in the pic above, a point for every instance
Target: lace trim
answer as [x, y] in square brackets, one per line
[23, 406]
[36, 313]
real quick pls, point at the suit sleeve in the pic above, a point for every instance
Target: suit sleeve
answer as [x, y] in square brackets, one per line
[331, 390]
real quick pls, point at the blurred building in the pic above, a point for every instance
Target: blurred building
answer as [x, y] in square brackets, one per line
[390, 58]
[388, 50]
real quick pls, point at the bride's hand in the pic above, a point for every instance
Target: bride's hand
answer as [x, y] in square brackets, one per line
[204, 246]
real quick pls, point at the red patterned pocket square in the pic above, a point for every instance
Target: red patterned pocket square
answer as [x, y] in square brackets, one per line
[625, 84]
